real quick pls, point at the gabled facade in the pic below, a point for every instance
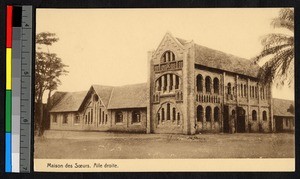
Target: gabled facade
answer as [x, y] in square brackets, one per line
[191, 89]
[196, 89]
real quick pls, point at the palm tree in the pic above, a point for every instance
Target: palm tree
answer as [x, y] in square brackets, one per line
[279, 48]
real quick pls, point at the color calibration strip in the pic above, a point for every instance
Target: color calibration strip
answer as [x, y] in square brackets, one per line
[8, 95]
[18, 88]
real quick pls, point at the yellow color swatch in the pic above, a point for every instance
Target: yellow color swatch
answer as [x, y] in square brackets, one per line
[8, 68]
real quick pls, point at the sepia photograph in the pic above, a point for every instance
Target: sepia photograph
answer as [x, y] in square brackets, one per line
[188, 85]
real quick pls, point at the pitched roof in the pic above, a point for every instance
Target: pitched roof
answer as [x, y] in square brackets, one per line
[219, 60]
[282, 107]
[56, 98]
[71, 101]
[129, 96]
[104, 92]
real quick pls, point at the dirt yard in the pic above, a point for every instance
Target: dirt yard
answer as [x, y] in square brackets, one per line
[104, 145]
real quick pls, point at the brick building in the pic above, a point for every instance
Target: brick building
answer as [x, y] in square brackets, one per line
[190, 89]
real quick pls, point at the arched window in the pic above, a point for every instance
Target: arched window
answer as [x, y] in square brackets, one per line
[136, 116]
[199, 113]
[174, 114]
[216, 114]
[163, 114]
[208, 84]
[216, 85]
[229, 88]
[254, 115]
[264, 115]
[168, 56]
[199, 83]
[208, 113]
[177, 82]
[119, 117]
[168, 112]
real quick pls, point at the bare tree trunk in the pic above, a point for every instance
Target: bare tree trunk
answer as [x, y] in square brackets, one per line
[40, 109]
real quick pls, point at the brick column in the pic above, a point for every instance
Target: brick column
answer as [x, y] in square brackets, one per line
[150, 118]
[188, 81]
[174, 82]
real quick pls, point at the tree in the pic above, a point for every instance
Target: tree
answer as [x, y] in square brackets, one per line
[48, 69]
[279, 48]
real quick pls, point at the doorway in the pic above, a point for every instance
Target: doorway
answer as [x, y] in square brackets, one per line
[226, 119]
[241, 120]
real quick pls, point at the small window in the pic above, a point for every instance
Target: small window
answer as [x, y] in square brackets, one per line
[136, 117]
[96, 98]
[254, 115]
[287, 122]
[119, 117]
[65, 119]
[105, 118]
[77, 119]
[54, 120]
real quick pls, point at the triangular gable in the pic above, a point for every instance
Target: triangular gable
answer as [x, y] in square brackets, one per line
[103, 92]
[169, 42]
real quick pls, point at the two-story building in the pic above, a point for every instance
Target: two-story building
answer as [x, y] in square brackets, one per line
[190, 89]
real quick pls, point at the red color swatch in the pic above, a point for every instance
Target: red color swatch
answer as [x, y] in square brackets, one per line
[9, 10]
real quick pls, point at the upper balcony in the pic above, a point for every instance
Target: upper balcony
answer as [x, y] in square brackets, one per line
[167, 66]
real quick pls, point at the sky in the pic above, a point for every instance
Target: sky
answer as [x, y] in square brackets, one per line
[109, 46]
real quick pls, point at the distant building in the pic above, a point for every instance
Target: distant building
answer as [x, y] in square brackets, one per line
[284, 115]
[190, 89]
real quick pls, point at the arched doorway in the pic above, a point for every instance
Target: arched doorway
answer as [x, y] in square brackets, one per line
[241, 128]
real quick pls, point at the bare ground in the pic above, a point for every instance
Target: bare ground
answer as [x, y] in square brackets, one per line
[105, 145]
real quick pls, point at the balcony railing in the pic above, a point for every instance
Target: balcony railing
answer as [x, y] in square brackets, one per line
[173, 65]
[208, 98]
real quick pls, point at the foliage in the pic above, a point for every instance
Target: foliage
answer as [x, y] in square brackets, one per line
[48, 69]
[280, 50]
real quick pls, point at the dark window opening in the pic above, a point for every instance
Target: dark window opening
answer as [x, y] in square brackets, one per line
[54, 118]
[216, 85]
[199, 114]
[174, 114]
[199, 83]
[168, 112]
[65, 119]
[208, 113]
[216, 114]
[208, 84]
[119, 117]
[254, 115]
[229, 88]
[264, 115]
